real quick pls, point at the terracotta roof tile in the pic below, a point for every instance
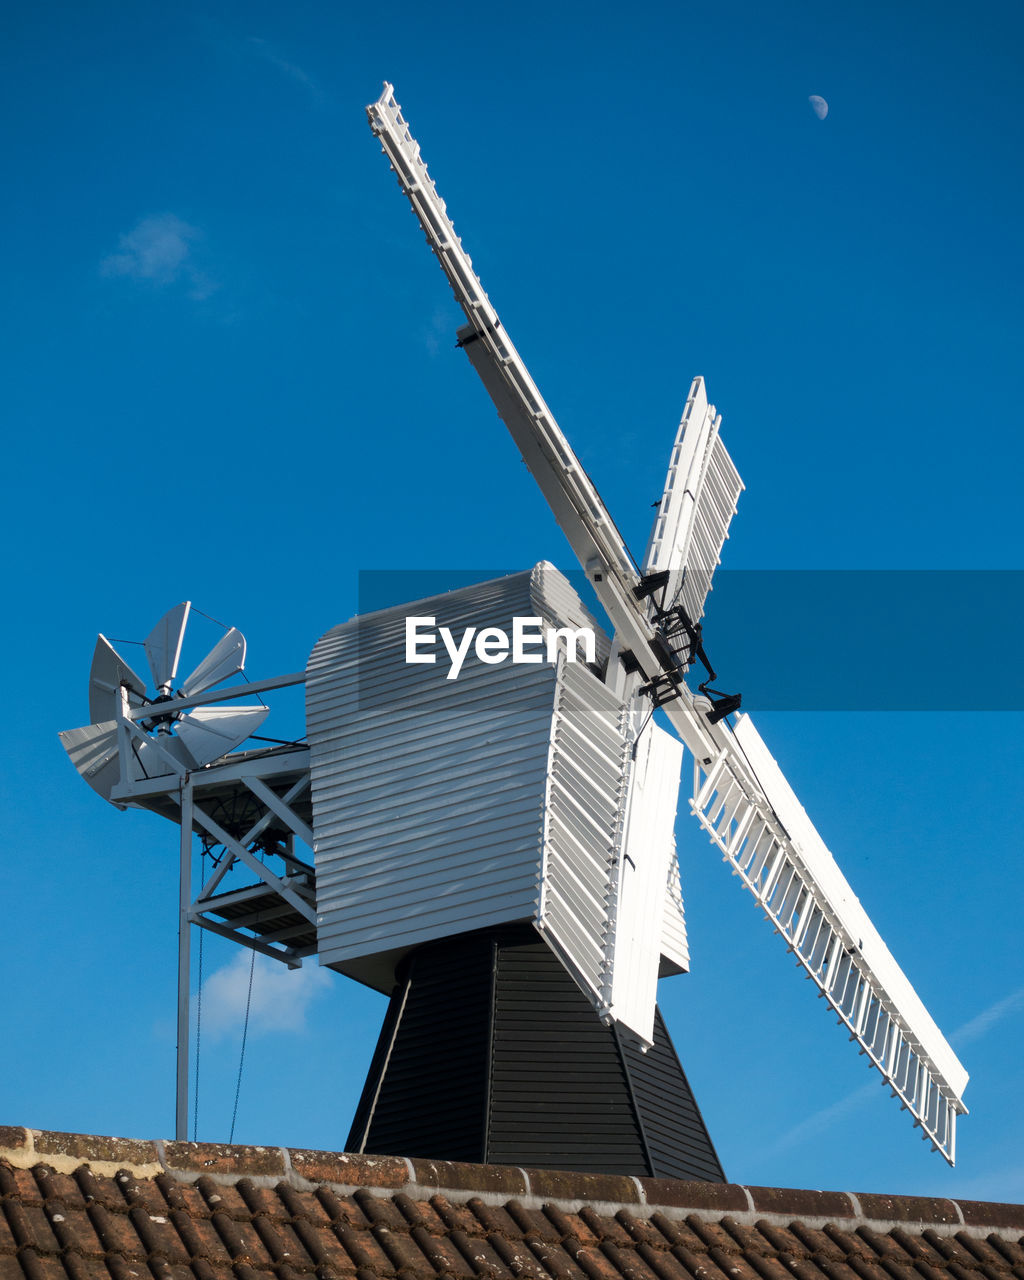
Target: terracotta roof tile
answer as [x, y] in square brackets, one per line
[732, 1264]
[711, 1234]
[301, 1205]
[343, 1211]
[169, 1271]
[974, 1273]
[515, 1255]
[242, 1241]
[199, 1236]
[868, 1269]
[628, 1262]
[916, 1247]
[283, 1244]
[977, 1213]
[188, 1199]
[782, 1240]
[74, 1230]
[19, 1183]
[1011, 1251]
[592, 1261]
[380, 1212]
[835, 1269]
[947, 1247]
[494, 1220]
[207, 1270]
[257, 1214]
[364, 1250]
[223, 1198]
[678, 1233]
[713, 1197]
[698, 1265]
[41, 1266]
[804, 1269]
[494, 1256]
[641, 1230]
[907, 1208]
[900, 1269]
[245, 1271]
[983, 1252]
[403, 1251]
[605, 1228]
[555, 1260]
[847, 1241]
[57, 1186]
[80, 1267]
[570, 1226]
[30, 1226]
[744, 1237]
[261, 1201]
[766, 1266]
[444, 1255]
[663, 1263]
[416, 1213]
[349, 1170]
[881, 1246]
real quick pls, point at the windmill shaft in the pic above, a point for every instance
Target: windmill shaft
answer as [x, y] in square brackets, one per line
[173, 705]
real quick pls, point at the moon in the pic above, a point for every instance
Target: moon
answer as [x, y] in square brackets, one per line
[818, 105]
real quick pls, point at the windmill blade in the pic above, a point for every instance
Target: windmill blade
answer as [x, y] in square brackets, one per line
[93, 751]
[572, 497]
[702, 488]
[108, 673]
[163, 646]
[775, 850]
[570, 494]
[211, 732]
[225, 659]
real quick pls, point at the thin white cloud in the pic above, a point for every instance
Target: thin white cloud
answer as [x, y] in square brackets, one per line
[159, 250]
[281, 997]
[439, 333]
[982, 1022]
[292, 70]
[821, 1120]
[970, 1031]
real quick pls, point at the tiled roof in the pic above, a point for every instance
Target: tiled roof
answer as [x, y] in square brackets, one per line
[86, 1208]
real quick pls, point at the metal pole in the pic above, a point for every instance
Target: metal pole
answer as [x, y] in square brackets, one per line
[184, 902]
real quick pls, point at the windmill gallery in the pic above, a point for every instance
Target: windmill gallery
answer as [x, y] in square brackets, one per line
[490, 842]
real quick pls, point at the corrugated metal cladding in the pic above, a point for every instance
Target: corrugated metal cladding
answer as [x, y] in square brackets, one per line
[429, 793]
[506, 795]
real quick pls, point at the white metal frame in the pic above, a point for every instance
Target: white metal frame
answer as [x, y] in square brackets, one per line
[189, 792]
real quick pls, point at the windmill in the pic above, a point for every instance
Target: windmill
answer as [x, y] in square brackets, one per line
[740, 796]
[493, 847]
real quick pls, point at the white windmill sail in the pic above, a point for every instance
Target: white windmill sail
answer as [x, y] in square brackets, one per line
[646, 920]
[702, 488]
[913, 1057]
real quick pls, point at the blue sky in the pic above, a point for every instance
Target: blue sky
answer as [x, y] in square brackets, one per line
[231, 378]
